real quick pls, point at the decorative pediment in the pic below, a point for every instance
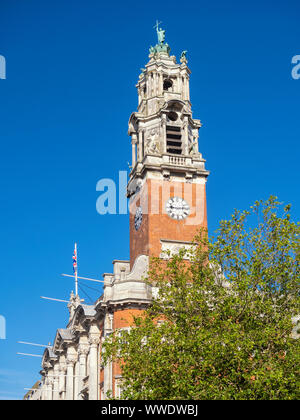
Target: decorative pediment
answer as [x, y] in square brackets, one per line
[63, 336]
[81, 315]
[48, 357]
[132, 124]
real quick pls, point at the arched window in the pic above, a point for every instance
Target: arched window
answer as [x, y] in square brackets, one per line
[168, 84]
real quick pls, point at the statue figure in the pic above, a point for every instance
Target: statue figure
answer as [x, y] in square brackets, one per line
[160, 47]
[183, 58]
[71, 305]
[152, 143]
[160, 33]
[151, 50]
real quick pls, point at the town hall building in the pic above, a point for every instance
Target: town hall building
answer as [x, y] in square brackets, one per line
[167, 202]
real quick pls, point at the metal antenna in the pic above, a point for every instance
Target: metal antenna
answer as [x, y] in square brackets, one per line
[75, 268]
[32, 355]
[57, 300]
[34, 344]
[84, 278]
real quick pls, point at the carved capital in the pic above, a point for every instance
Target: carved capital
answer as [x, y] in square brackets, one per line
[63, 368]
[50, 380]
[55, 378]
[71, 359]
[83, 349]
[56, 368]
[134, 138]
[94, 340]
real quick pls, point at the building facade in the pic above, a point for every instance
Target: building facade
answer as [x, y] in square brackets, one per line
[166, 190]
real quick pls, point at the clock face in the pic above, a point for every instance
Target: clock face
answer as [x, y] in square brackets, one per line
[177, 208]
[138, 218]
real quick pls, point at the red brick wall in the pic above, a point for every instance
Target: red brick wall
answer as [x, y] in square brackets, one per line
[122, 319]
[156, 224]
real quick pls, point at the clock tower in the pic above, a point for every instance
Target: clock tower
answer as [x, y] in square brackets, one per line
[166, 185]
[167, 204]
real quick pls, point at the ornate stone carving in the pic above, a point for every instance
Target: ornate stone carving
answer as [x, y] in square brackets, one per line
[63, 368]
[72, 305]
[192, 140]
[71, 362]
[94, 340]
[169, 248]
[83, 349]
[183, 58]
[71, 359]
[134, 187]
[152, 141]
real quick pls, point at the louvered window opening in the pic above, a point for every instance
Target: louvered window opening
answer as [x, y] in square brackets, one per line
[174, 143]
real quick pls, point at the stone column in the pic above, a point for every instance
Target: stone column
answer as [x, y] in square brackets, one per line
[49, 383]
[146, 92]
[152, 85]
[62, 380]
[164, 133]
[56, 382]
[133, 143]
[107, 379]
[46, 386]
[83, 352]
[149, 85]
[185, 137]
[42, 387]
[196, 143]
[160, 83]
[187, 89]
[183, 89]
[140, 149]
[179, 85]
[76, 381]
[94, 340]
[71, 359]
[156, 84]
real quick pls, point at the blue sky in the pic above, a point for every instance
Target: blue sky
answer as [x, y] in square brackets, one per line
[64, 109]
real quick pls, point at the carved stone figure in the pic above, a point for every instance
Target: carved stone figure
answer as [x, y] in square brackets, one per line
[183, 58]
[72, 305]
[152, 143]
[160, 33]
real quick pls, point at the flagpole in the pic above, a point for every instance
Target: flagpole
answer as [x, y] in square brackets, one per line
[76, 274]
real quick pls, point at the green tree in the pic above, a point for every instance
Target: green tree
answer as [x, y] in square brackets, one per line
[220, 326]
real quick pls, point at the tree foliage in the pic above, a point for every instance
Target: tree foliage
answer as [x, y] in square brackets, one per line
[220, 326]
